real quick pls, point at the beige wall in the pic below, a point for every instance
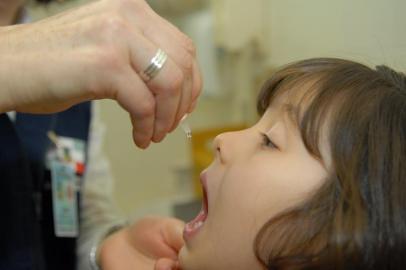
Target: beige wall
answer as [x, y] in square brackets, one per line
[371, 31]
[152, 178]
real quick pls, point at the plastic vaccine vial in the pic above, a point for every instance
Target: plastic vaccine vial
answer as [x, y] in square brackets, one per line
[185, 127]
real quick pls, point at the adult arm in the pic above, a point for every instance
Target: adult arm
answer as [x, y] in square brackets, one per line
[95, 52]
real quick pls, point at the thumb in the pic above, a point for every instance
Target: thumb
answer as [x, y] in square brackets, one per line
[173, 233]
[166, 264]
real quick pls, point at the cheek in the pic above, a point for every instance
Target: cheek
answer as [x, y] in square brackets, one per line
[240, 209]
[248, 198]
[236, 201]
[257, 190]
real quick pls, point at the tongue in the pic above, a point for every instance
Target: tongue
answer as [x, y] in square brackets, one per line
[197, 222]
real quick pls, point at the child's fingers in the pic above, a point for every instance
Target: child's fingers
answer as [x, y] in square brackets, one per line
[172, 233]
[166, 264]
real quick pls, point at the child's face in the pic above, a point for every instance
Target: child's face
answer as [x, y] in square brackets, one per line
[249, 182]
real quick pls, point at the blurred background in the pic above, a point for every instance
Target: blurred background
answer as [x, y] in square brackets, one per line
[239, 44]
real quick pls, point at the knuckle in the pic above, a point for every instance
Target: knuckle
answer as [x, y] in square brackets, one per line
[189, 45]
[173, 86]
[126, 4]
[137, 7]
[113, 27]
[109, 47]
[187, 63]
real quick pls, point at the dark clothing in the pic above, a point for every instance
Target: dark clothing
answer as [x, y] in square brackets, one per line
[27, 234]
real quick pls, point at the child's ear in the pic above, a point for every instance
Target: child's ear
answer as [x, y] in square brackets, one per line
[166, 264]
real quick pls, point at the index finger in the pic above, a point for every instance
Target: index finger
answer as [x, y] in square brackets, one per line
[165, 264]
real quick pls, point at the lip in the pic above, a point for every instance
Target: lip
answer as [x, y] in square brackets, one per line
[193, 227]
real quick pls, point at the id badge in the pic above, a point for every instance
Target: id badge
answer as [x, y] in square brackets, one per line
[64, 199]
[66, 163]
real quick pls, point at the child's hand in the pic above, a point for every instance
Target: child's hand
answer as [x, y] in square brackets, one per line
[167, 264]
[150, 243]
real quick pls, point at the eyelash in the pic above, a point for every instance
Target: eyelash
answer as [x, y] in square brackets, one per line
[266, 141]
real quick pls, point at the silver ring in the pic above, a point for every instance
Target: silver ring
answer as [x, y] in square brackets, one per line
[156, 64]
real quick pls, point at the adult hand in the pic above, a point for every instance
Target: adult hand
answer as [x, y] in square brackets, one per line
[151, 243]
[98, 51]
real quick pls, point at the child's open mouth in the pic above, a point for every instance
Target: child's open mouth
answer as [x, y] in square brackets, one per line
[197, 223]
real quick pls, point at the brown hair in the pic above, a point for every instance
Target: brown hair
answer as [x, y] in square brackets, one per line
[49, 1]
[357, 218]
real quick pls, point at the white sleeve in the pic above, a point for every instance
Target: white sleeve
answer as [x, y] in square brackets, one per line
[98, 209]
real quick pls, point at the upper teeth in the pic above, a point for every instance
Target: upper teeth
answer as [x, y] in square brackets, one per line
[197, 224]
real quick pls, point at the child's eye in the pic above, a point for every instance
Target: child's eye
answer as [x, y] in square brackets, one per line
[266, 141]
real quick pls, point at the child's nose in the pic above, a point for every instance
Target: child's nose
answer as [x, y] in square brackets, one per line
[217, 146]
[223, 145]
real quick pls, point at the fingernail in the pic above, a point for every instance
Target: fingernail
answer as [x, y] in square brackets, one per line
[158, 138]
[143, 145]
